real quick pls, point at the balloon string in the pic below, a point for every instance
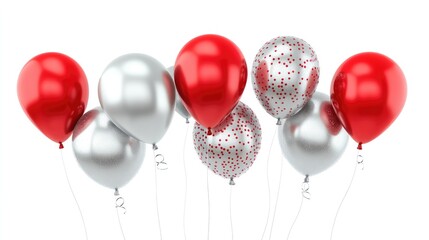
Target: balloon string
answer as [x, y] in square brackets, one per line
[186, 179]
[209, 138]
[120, 205]
[305, 194]
[359, 161]
[208, 206]
[156, 187]
[278, 194]
[230, 212]
[296, 217]
[72, 192]
[268, 184]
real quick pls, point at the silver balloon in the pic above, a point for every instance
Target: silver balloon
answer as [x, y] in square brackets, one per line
[180, 108]
[105, 153]
[313, 139]
[234, 145]
[137, 93]
[285, 74]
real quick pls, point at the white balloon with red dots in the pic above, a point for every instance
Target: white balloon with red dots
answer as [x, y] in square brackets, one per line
[285, 74]
[234, 145]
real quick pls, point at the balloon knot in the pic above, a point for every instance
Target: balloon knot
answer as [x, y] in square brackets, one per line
[187, 120]
[61, 145]
[359, 147]
[154, 147]
[231, 181]
[306, 179]
[279, 122]
[210, 132]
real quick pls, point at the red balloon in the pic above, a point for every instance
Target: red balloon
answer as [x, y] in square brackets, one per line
[210, 75]
[53, 91]
[368, 92]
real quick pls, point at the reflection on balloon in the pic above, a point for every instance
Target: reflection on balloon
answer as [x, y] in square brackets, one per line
[313, 139]
[180, 108]
[234, 145]
[285, 74]
[138, 94]
[105, 153]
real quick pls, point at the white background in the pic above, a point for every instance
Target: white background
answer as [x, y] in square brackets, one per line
[389, 199]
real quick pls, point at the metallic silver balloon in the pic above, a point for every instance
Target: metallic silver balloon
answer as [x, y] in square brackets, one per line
[313, 139]
[137, 93]
[180, 108]
[104, 152]
[234, 145]
[285, 74]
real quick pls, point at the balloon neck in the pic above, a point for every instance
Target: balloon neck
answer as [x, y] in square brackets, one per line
[209, 132]
[231, 181]
[279, 122]
[359, 147]
[61, 145]
[306, 179]
[116, 192]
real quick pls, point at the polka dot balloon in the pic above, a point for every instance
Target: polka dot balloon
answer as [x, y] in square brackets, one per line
[234, 145]
[285, 74]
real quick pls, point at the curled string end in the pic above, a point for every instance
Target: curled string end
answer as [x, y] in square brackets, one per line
[120, 206]
[360, 159]
[209, 132]
[359, 147]
[119, 202]
[160, 162]
[61, 145]
[305, 188]
[159, 159]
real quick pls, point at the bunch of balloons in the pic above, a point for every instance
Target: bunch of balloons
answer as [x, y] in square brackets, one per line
[210, 75]
[138, 96]
[285, 76]
[368, 92]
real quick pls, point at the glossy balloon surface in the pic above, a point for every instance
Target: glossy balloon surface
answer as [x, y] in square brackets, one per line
[53, 92]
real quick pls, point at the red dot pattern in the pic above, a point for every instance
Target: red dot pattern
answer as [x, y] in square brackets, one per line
[285, 74]
[234, 145]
